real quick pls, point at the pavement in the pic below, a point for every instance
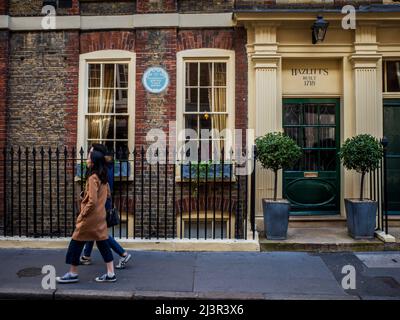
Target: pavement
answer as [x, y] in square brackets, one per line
[208, 275]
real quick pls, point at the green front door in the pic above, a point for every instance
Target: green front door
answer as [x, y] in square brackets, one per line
[313, 184]
[391, 121]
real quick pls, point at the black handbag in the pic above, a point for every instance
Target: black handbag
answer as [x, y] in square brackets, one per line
[112, 217]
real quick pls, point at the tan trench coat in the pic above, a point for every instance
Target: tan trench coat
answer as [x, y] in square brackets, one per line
[91, 223]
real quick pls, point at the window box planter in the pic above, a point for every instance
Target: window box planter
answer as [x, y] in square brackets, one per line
[221, 170]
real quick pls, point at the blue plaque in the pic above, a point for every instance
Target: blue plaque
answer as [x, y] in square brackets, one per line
[155, 79]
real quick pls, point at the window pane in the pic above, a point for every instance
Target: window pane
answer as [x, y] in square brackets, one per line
[205, 122]
[108, 127]
[205, 74]
[295, 134]
[108, 101]
[311, 137]
[110, 145]
[391, 127]
[191, 100]
[220, 100]
[327, 114]
[122, 76]
[192, 74]
[93, 127]
[94, 75]
[121, 150]
[328, 160]
[94, 101]
[108, 76]
[292, 114]
[219, 122]
[310, 114]
[191, 122]
[205, 100]
[121, 101]
[393, 76]
[122, 127]
[327, 137]
[220, 74]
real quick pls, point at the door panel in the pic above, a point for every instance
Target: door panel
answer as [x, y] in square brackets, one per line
[312, 185]
[391, 122]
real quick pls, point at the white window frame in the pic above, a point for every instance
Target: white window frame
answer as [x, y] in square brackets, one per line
[105, 56]
[206, 55]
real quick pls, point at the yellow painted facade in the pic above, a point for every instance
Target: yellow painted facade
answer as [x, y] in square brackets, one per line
[346, 65]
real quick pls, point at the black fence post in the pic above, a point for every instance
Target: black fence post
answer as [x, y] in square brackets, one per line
[253, 194]
[5, 192]
[385, 143]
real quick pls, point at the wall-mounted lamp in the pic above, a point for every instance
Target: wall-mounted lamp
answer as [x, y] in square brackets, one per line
[319, 29]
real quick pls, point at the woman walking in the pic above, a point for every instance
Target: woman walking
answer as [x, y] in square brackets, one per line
[91, 223]
[114, 245]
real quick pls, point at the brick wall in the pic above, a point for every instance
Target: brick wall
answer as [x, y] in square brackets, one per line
[152, 6]
[206, 6]
[107, 40]
[42, 88]
[34, 8]
[93, 8]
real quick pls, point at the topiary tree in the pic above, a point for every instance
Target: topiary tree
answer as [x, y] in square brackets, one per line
[363, 154]
[277, 151]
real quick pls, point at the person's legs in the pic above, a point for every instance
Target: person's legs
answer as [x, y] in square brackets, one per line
[72, 258]
[106, 253]
[74, 252]
[116, 247]
[87, 252]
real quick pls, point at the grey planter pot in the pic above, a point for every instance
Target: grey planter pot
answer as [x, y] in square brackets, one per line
[361, 218]
[276, 218]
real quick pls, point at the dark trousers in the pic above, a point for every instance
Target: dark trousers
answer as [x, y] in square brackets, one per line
[75, 249]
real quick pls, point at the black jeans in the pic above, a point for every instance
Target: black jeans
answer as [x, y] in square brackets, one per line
[75, 249]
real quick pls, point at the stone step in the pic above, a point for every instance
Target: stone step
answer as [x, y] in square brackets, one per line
[323, 239]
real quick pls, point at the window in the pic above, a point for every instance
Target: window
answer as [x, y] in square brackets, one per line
[213, 229]
[391, 77]
[107, 114]
[106, 102]
[205, 100]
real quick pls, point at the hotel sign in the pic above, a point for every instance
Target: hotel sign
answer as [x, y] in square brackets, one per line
[310, 76]
[307, 77]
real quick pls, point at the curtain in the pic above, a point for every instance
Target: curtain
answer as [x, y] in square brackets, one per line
[108, 99]
[398, 72]
[220, 99]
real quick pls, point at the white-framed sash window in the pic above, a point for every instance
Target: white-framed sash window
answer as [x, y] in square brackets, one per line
[205, 101]
[106, 101]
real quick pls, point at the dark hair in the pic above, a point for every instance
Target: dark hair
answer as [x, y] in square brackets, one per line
[103, 149]
[99, 147]
[98, 166]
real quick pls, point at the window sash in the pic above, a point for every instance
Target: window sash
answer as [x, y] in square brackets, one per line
[100, 101]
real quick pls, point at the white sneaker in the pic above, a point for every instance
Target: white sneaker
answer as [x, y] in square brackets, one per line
[123, 261]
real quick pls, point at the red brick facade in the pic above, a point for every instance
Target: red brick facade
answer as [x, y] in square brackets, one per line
[152, 6]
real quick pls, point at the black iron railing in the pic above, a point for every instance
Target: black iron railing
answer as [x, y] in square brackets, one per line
[377, 188]
[156, 199]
